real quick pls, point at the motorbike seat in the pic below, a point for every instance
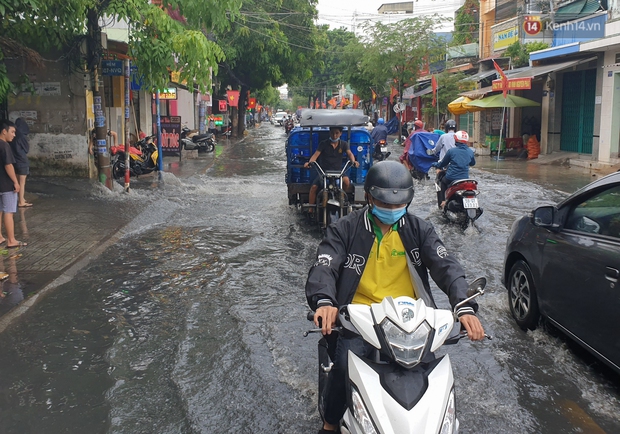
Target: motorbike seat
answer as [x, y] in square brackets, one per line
[458, 181]
[201, 137]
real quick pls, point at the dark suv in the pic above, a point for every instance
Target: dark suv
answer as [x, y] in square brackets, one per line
[563, 263]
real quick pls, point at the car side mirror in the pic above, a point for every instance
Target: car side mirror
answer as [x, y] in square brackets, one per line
[545, 217]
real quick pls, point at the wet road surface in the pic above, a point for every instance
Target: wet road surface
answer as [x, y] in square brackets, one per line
[193, 322]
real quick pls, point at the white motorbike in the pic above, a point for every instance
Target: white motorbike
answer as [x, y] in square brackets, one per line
[403, 387]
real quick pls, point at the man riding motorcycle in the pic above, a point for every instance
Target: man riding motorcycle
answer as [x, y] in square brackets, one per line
[457, 160]
[379, 137]
[379, 132]
[446, 141]
[379, 251]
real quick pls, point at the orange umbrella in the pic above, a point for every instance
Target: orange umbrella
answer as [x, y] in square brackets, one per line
[460, 106]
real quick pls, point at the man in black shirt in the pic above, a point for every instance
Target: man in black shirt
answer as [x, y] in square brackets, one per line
[9, 185]
[329, 155]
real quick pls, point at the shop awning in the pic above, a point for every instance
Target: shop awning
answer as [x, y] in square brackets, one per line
[537, 71]
[576, 10]
[477, 93]
[410, 94]
[480, 76]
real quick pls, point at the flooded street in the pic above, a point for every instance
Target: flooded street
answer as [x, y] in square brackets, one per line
[193, 322]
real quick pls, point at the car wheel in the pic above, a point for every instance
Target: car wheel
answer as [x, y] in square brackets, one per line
[522, 296]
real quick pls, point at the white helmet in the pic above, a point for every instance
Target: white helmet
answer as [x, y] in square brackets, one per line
[461, 137]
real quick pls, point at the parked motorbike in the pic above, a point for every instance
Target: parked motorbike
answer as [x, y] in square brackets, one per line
[192, 140]
[461, 198]
[380, 153]
[142, 158]
[403, 387]
[332, 202]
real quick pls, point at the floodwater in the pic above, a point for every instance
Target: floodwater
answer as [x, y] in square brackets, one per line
[193, 322]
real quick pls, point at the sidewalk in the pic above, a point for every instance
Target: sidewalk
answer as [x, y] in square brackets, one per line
[66, 227]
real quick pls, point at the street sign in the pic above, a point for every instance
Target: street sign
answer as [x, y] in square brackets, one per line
[399, 107]
[222, 105]
[532, 25]
[513, 84]
[168, 93]
[112, 68]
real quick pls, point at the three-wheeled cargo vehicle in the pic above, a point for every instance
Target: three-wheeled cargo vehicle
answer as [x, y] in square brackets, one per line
[332, 201]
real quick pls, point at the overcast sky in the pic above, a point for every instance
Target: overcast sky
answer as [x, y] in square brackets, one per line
[340, 13]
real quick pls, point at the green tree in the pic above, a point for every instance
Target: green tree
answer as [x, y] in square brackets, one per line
[448, 87]
[466, 23]
[328, 71]
[394, 54]
[272, 43]
[269, 96]
[159, 43]
[520, 53]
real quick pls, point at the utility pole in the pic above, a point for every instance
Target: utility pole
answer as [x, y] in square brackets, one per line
[103, 154]
[127, 139]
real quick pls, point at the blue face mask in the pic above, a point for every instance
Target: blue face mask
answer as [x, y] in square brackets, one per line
[334, 140]
[388, 216]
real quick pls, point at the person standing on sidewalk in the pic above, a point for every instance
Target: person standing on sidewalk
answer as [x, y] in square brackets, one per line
[20, 148]
[9, 185]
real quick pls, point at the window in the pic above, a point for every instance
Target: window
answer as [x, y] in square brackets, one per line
[599, 214]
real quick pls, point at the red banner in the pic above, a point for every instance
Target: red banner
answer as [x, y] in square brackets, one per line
[513, 84]
[251, 103]
[434, 87]
[222, 105]
[504, 79]
[233, 97]
[356, 100]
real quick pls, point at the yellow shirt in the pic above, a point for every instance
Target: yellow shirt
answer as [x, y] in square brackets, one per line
[386, 272]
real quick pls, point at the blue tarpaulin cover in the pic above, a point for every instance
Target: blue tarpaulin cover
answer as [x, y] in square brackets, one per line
[418, 157]
[392, 125]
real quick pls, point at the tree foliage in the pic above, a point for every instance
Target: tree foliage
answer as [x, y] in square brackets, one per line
[328, 71]
[520, 53]
[448, 88]
[272, 43]
[162, 39]
[394, 54]
[466, 23]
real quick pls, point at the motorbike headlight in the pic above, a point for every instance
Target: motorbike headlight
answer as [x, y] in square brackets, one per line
[407, 347]
[449, 418]
[361, 414]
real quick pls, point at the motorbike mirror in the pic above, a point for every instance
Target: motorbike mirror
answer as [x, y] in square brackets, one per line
[475, 289]
[477, 286]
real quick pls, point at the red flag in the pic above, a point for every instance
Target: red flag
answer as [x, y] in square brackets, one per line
[317, 104]
[374, 95]
[323, 105]
[233, 97]
[434, 86]
[393, 93]
[503, 77]
[356, 101]
[332, 102]
[252, 103]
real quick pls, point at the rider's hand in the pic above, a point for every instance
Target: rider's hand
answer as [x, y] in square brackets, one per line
[307, 164]
[472, 324]
[356, 163]
[327, 315]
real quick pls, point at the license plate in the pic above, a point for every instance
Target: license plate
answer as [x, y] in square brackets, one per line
[469, 203]
[383, 148]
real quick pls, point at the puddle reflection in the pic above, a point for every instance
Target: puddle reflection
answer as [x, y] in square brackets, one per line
[11, 293]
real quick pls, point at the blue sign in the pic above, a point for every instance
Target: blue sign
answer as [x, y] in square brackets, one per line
[112, 68]
[137, 79]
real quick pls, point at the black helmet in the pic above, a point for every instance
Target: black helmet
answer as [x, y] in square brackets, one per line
[390, 182]
[450, 125]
